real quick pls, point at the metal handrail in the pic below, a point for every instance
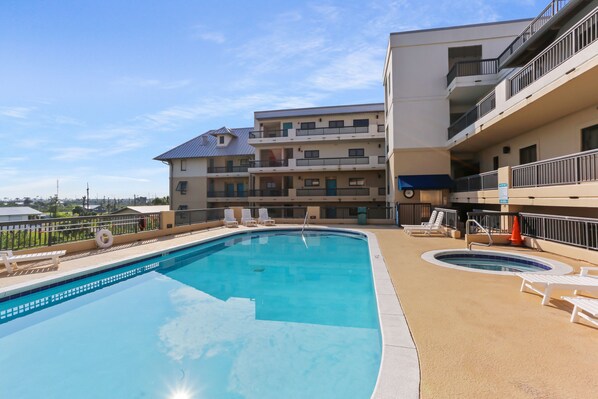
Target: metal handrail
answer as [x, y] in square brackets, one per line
[490, 242]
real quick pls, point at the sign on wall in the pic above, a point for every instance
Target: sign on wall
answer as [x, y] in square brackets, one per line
[503, 193]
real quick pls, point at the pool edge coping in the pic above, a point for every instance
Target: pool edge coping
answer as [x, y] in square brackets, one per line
[398, 373]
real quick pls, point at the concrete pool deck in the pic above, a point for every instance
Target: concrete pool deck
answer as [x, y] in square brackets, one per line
[476, 335]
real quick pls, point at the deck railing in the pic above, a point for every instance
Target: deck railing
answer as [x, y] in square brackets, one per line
[269, 163]
[546, 15]
[487, 104]
[451, 217]
[281, 212]
[580, 36]
[48, 232]
[579, 232]
[228, 169]
[333, 192]
[196, 216]
[352, 212]
[319, 131]
[269, 192]
[482, 181]
[570, 169]
[227, 194]
[472, 68]
[260, 134]
[493, 222]
[333, 161]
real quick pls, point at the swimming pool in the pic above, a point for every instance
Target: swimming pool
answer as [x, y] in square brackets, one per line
[247, 316]
[495, 262]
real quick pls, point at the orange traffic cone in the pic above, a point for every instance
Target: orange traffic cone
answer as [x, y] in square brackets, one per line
[516, 238]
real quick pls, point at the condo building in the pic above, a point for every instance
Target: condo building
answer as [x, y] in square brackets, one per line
[508, 110]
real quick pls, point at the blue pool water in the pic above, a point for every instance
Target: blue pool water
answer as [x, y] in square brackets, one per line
[249, 316]
[497, 263]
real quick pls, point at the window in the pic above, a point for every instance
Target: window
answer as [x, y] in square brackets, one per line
[311, 154]
[182, 207]
[495, 163]
[182, 187]
[270, 185]
[244, 162]
[528, 154]
[589, 138]
[220, 139]
[336, 124]
[183, 164]
[356, 181]
[361, 122]
[356, 152]
[311, 183]
[308, 125]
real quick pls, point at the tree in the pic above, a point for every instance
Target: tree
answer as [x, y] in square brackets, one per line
[160, 201]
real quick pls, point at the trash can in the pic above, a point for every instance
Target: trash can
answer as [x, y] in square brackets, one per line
[362, 215]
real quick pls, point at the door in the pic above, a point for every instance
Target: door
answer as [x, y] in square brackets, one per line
[285, 128]
[229, 166]
[229, 190]
[331, 186]
[240, 189]
[211, 186]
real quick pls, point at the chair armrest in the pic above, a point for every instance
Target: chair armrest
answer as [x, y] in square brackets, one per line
[586, 269]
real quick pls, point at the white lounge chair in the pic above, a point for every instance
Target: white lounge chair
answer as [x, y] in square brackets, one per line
[247, 219]
[544, 284]
[586, 308]
[10, 260]
[264, 219]
[426, 229]
[229, 218]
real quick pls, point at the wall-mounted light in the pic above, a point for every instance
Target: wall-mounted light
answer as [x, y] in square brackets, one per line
[376, 116]
[379, 145]
[530, 197]
[320, 119]
[506, 149]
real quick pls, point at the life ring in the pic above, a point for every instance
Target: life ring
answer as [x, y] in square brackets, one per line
[104, 238]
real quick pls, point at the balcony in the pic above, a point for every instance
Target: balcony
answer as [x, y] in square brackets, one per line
[332, 161]
[483, 107]
[472, 68]
[227, 194]
[321, 131]
[372, 131]
[269, 163]
[228, 169]
[482, 181]
[269, 192]
[333, 192]
[372, 162]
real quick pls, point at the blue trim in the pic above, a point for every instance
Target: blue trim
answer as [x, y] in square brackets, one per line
[424, 182]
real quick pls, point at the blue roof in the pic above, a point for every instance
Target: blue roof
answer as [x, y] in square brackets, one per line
[204, 145]
[425, 182]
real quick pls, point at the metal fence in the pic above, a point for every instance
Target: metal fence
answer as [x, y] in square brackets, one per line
[494, 222]
[580, 36]
[451, 217]
[269, 192]
[351, 212]
[546, 15]
[281, 212]
[195, 216]
[48, 232]
[333, 161]
[570, 169]
[269, 163]
[482, 181]
[472, 68]
[227, 194]
[228, 169]
[413, 213]
[579, 232]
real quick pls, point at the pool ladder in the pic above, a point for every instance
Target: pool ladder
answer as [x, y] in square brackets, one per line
[470, 221]
[304, 224]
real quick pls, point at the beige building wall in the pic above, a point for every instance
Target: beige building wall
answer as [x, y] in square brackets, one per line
[196, 196]
[193, 167]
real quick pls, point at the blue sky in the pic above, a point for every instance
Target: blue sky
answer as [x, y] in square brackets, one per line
[91, 91]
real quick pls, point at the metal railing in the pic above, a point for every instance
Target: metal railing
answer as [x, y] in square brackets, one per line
[260, 134]
[228, 169]
[579, 232]
[472, 68]
[319, 131]
[196, 216]
[487, 104]
[351, 212]
[478, 228]
[494, 222]
[227, 194]
[546, 15]
[333, 161]
[381, 190]
[381, 129]
[569, 169]
[482, 181]
[281, 212]
[269, 164]
[48, 232]
[269, 192]
[451, 217]
[381, 159]
[413, 213]
[333, 192]
[580, 36]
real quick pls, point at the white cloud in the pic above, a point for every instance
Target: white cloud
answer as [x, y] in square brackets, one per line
[152, 83]
[74, 153]
[16, 112]
[201, 32]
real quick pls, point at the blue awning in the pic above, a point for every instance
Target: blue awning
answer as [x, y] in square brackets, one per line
[425, 182]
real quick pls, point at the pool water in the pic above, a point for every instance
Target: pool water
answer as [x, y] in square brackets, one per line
[496, 263]
[249, 316]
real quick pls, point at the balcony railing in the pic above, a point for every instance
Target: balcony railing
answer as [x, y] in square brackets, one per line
[381, 159]
[333, 192]
[352, 212]
[196, 216]
[260, 134]
[570, 169]
[493, 222]
[281, 212]
[451, 217]
[546, 15]
[269, 164]
[381, 190]
[333, 161]
[482, 181]
[47, 232]
[472, 68]
[269, 192]
[228, 169]
[227, 194]
[580, 36]
[486, 105]
[319, 131]
[580, 232]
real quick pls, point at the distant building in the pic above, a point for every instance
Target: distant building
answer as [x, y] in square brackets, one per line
[18, 213]
[132, 210]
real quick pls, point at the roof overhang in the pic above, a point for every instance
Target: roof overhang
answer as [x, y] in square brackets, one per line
[424, 182]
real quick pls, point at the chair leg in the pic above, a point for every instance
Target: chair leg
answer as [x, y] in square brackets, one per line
[575, 314]
[547, 292]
